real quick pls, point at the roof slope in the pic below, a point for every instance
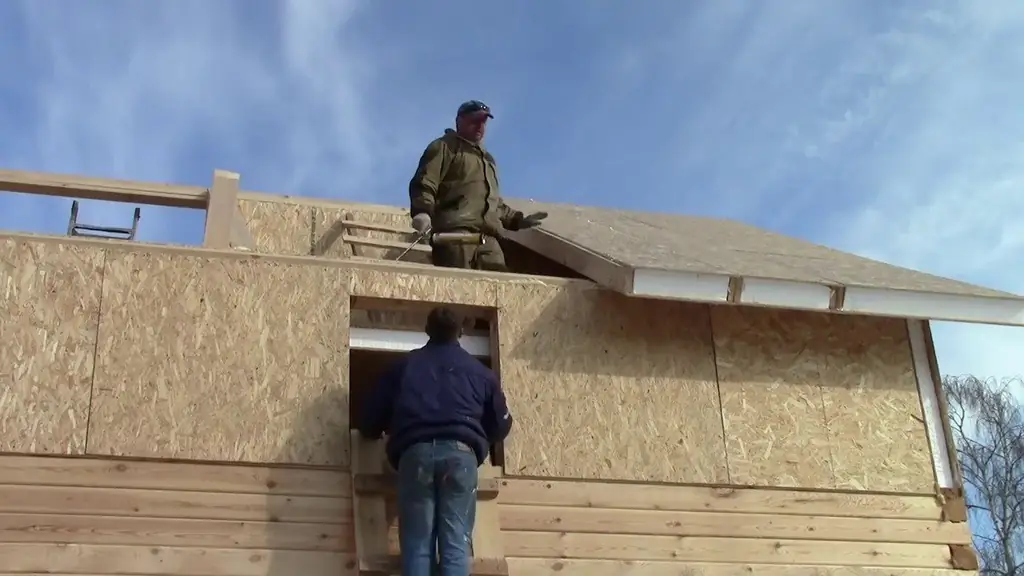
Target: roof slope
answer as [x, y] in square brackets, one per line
[702, 245]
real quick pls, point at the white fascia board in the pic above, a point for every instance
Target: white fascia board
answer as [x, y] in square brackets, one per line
[406, 340]
[669, 285]
[927, 387]
[785, 294]
[931, 306]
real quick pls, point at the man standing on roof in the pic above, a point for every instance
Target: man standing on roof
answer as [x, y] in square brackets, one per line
[442, 410]
[455, 189]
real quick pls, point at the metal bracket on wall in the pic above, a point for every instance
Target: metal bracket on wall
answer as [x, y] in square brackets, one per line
[76, 229]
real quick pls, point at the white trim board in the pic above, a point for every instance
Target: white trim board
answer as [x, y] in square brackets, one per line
[406, 340]
[928, 389]
[721, 288]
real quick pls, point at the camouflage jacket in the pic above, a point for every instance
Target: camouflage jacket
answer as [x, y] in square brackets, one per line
[456, 183]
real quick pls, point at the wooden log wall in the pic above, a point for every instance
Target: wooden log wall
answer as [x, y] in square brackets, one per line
[68, 515]
[149, 351]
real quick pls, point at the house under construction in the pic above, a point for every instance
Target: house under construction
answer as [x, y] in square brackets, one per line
[692, 396]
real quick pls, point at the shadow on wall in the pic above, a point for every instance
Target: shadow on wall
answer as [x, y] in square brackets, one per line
[310, 523]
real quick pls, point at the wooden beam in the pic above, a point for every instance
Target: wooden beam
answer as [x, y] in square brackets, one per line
[387, 244]
[357, 225]
[386, 484]
[107, 189]
[369, 512]
[220, 212]
[390, 565]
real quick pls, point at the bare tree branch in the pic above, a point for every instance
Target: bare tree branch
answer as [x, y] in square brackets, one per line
[987, 421]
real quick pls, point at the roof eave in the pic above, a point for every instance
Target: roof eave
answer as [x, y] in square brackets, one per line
[663, 284]
[797, 295]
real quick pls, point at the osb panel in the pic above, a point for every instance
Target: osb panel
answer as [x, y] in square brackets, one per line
[279, 227]
[813, 400]
[394, 320]
[604, 386]
[873, 408]
[50, 297]
[328, 229]
[237, 360]
[424, 287]
[769, 374]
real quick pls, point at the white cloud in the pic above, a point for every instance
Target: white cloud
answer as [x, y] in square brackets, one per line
[945, 180]
[169, 91]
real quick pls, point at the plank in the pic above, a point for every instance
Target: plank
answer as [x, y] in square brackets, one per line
[371, 226]
[390, 565]
[385, 485]
[220, 210]
[109, 189]
[162, 560]
[171, 504]
[369, 512]
[156, 475]
[565, 567]
[737, 550]
[115, 530]
[380, 243]
[486, 539]
[737, 525]
[711, 499]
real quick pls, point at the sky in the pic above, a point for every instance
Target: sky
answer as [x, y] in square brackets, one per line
[893, 130]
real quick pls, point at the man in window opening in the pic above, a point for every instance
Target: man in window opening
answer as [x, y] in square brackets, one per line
[455, 189]
[442, 409]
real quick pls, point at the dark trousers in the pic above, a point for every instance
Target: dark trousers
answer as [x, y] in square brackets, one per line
[437, 484]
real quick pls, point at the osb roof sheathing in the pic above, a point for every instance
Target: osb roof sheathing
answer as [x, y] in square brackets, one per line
[683, 243]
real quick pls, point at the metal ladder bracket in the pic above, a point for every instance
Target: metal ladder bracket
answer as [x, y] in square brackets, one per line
[111, 232]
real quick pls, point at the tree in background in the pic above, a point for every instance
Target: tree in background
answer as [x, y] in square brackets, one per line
[988, 427]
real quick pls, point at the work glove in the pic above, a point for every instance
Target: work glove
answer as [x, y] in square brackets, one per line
[421, 222]
[529, 221]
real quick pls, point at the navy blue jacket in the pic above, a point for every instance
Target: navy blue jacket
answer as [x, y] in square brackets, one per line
[437, 392]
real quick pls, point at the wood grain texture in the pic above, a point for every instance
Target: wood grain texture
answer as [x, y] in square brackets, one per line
[210, 359]
[50, 302]
[602, 386]
[819, 400]
[96, 516]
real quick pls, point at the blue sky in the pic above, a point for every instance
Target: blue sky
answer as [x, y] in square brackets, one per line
[893, 130]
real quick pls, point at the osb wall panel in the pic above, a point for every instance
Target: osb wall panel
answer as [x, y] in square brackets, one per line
[469, 290]
[604, 386]
[218, 359]
[818, 400]
[279, 227]
[50, 298]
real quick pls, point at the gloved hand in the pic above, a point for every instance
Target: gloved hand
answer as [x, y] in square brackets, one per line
[421, 222]
[529, 221]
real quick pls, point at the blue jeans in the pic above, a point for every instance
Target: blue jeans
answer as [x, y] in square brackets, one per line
[437, 484]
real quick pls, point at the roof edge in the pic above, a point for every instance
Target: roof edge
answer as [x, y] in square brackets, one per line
[772, 293]
[597, 267]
